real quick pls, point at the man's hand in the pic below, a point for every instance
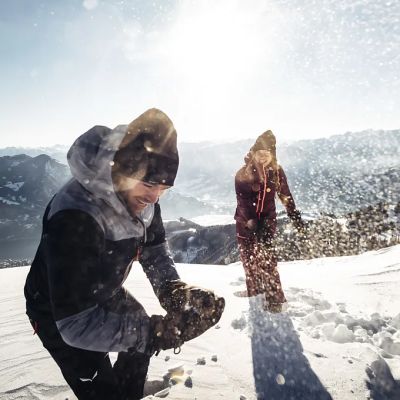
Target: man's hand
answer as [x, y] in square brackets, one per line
[176, 328]
[178, 296]
[173, 295]
[164, 333]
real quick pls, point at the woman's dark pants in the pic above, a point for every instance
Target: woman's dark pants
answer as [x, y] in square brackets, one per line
[258, 256]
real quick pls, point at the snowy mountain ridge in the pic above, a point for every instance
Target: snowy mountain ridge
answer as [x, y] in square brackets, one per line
[26, 185]
[336, 174]
[333, 175]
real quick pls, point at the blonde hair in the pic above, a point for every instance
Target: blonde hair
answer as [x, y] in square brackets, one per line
[274, 165]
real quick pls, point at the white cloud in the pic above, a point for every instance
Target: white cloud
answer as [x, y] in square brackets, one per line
[90, 4]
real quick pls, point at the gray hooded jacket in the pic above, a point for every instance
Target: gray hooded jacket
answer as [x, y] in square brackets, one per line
[88, 244]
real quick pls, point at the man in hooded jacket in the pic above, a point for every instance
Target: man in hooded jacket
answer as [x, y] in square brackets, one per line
[102, 220]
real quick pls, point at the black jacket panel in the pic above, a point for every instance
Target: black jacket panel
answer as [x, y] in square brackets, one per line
[77, 276]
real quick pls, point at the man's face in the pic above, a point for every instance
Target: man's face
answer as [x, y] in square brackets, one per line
[138, 194]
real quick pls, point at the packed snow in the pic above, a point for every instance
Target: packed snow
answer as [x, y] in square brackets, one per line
[338, 339]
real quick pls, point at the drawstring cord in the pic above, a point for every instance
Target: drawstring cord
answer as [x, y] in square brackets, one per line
[260, 206]
[265, 189]
[144, 229]
[258, 201]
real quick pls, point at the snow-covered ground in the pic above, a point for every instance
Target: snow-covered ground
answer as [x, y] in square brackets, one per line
[339, 338]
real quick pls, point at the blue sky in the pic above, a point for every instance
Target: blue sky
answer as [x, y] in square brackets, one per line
[223, 69]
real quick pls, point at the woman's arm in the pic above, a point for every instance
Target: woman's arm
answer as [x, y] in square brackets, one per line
[284, 193]
[245, 197]
[287, 200]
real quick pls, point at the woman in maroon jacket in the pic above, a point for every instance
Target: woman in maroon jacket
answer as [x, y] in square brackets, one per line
[257, 183]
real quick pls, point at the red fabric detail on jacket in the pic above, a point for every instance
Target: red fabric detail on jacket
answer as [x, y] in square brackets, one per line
[259, 211]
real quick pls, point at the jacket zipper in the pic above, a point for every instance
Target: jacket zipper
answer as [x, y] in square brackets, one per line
[259, 210]
[144, 229]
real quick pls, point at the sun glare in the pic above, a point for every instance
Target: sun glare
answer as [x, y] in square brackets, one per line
[212, 49]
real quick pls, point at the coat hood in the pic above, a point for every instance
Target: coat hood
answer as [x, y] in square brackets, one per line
[148, 151]
[147, 143]
[90, 159]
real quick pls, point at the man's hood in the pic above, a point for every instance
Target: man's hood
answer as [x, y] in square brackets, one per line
[90, 159]
[148, 151]
[95, 155]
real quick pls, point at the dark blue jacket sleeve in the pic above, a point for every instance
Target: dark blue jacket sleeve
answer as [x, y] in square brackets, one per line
[156, 257]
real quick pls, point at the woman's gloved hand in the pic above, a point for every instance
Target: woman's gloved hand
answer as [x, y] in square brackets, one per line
[298, 222]
[251, 225]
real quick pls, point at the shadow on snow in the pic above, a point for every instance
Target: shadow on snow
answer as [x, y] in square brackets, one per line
[281, 371]
[381, 382]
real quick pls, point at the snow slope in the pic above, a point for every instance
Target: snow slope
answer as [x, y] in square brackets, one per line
[339, 339]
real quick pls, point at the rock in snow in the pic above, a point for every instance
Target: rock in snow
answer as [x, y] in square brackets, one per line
[189, 382]
[201, 361]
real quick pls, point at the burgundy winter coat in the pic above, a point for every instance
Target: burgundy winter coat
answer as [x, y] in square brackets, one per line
[255, 193]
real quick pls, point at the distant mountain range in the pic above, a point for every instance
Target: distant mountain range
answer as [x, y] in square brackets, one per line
[336, 174]
[333, 175]
[58, 152]
[26, 185]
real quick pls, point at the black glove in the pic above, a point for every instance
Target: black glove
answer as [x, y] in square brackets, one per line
[176, 328]
[177, 296]
[251, 225]
[297, 222]
[164, 334]
[191, 310]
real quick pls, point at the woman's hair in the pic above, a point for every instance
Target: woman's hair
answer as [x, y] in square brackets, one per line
[266, 141]
[274, 165]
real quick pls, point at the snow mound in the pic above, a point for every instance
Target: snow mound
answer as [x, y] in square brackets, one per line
[319, 319]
